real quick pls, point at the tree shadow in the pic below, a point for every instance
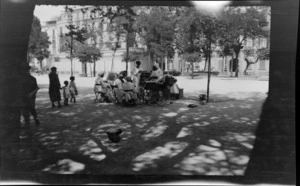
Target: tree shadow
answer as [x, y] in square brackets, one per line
[212, 139]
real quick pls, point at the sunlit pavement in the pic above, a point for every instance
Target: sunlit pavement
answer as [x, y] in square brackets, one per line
[212, 139]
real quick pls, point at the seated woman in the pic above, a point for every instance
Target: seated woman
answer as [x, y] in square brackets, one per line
[130, 94]
[101, 87]
[118, 88]
[156, 73]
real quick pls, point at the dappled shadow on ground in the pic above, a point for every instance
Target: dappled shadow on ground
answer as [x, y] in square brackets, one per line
[212, 139]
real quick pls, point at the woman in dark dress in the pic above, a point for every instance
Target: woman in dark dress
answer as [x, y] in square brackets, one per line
[54, 87]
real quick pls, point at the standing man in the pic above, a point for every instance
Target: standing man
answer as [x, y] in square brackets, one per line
[54, 87]
[29, 88]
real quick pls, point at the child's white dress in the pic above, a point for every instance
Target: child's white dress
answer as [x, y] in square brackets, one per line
[175, 89]
[66, 92]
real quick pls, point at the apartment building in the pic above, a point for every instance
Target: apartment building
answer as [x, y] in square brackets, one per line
[84, 17]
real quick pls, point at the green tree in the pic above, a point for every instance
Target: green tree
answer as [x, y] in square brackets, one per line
[242, 23]
[117, 34]
[87, 54]
[190, 39]
[72, 39]
[156, 29]
[122, 18]
[133, 56]
[251, 54]
[38, 43]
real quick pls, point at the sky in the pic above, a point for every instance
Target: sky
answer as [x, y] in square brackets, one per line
[46, 12]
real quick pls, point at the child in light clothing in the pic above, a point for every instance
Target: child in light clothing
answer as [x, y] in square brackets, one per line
[175, 90]
[73, 89]
[66, 93]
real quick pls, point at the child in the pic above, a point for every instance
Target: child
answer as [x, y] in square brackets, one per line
[66, 93]
[73, 89]
[175, 90]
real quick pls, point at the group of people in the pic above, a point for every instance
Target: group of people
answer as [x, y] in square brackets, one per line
[127, 88]
[123, 89]
[69, 90]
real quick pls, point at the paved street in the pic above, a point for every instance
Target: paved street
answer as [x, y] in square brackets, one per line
[212, 139]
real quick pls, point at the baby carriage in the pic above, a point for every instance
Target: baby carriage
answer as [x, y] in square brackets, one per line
[158, 91]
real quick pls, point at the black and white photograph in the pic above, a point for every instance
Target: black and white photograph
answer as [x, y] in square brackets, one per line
[148, 92]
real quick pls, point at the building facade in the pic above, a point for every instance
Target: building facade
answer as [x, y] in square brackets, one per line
[84, 17]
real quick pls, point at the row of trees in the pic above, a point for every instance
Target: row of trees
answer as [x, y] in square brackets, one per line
[192, 33]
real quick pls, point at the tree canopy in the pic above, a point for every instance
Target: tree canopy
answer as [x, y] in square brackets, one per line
[38, 43]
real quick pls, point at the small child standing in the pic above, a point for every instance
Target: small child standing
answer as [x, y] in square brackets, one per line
[73, 89]
[175, 90]
[66, 93]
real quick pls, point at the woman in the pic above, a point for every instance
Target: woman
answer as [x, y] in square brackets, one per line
[136, 75]
[118, 90]
[156, 73]
[54, 87]
[98, 87]
[129, 91]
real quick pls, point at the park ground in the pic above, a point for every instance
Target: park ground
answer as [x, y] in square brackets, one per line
[212, 139]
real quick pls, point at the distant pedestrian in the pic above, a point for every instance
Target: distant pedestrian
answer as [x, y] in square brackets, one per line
[29, 90]
[174, 90]
[66, 93]
[54, 87]
[73, 89]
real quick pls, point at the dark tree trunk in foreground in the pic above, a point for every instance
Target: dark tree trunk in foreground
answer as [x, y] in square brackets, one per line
[15, 19]
[273, 158]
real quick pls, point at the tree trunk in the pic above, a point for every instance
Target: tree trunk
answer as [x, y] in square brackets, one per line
[205, 65]
[71, 56]
[41, 66]
[127, 51]
[192, 70]
[236, 62]
[94, 67]
[247, 66]
[209, 68]
[91, 72]
[112, 61]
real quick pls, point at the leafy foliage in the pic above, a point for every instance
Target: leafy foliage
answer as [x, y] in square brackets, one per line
[38, 43]
[133, 56]
[242, 23]
[88, 54]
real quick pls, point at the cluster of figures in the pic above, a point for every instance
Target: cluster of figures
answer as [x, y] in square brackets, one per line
[123, 89]
[69, 90]
[127, 89]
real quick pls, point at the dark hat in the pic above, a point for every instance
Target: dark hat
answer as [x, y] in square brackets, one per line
[53, 68]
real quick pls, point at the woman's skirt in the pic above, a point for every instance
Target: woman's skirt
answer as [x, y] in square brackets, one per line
[54, 94]
[130, 95]
[119, 94]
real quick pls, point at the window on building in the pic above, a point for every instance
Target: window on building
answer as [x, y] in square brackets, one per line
[249, 43]
[262, 65]
[263, 42]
